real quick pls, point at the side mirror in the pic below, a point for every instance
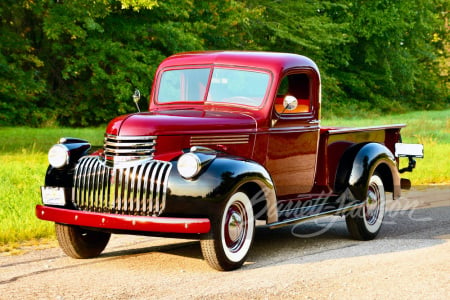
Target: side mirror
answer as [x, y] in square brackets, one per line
[136, 97]
[290, 103]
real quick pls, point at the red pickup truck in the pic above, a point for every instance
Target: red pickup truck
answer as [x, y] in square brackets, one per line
[229, 138]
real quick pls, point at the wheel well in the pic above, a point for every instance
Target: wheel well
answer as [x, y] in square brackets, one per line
[258, 199]
[385, 174]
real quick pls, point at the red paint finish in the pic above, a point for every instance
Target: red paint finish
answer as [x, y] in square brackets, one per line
[334, 141]
[277, 64]
[175, 122]
[123, 222]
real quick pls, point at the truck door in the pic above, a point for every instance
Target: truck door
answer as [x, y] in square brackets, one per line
[294, 134]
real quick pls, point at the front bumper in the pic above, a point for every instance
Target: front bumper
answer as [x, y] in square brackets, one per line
[123, 222]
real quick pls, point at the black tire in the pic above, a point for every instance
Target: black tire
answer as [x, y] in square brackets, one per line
[226, 246]
[78, 242]
[365, 223]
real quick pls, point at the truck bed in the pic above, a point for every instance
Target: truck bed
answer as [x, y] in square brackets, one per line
[334, 141]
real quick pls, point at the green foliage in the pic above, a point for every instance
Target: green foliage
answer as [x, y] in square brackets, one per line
[90, 55]
[394, 52]
[20, 80]
[77, 62]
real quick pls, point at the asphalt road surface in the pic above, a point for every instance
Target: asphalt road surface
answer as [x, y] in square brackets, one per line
[410, 259]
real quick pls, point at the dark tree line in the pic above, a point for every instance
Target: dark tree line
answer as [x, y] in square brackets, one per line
[77, 62]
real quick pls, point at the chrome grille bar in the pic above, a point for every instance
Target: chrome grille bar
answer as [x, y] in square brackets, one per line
[133, 147]
[138, 189]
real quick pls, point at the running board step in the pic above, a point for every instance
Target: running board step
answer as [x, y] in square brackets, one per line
[311, 212]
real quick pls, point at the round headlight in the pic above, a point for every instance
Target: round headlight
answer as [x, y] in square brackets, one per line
[188, 165]
[58, 156]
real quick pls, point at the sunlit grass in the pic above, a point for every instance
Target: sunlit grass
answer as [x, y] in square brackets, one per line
[23, 163]
[38, 140]
[430, 128]
[22, 174]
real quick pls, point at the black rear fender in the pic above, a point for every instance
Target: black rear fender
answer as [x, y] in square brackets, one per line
[358, 164]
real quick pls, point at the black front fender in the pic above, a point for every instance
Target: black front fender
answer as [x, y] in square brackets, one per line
[63, 177]
[206, 193]
[358, 164]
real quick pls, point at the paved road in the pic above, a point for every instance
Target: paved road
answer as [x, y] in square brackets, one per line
[409, 260]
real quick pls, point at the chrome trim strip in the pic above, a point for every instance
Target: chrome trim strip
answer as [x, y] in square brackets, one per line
[227, 139]
[128, 151]
[130, 145]
[129, 137]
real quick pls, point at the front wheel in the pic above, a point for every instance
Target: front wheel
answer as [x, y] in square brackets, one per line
[78, 242]
[365, 223]
[226, 246]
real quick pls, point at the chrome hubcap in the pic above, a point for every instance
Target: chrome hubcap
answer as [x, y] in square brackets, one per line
[235, 226]
[372, 205]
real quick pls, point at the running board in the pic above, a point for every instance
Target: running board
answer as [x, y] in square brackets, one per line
[303, 218]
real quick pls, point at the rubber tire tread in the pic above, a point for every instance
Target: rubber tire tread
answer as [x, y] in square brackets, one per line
[212, 251]
[211, 246]
[356, 227]
[81, 243]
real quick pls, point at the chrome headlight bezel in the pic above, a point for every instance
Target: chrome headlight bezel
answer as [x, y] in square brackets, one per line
[59, 156]
[189, 165]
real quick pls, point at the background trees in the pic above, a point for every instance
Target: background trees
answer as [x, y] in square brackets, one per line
[77, 62]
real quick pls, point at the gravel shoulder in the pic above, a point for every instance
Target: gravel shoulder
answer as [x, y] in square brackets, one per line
[409, 260]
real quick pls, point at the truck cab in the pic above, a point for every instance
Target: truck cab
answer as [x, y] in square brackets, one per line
[229, 138]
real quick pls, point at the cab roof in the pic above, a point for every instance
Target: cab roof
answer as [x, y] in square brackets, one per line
[273, 61]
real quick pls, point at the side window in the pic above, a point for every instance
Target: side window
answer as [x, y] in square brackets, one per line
[297, 85]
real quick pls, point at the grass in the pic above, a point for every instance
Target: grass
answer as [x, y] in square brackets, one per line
[39, 140]
[430, 128]
[23, 162]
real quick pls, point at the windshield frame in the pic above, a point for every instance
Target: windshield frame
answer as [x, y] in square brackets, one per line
[205, 101]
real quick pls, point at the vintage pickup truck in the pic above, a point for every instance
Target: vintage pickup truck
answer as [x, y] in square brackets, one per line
[230, 138]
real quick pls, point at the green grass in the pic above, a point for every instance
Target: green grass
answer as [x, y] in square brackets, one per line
[39, 140]
[23, 162]
[21, 175]
[430, 128]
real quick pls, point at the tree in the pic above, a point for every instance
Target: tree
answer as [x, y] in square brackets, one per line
[78, 62]
[317, 29]
[394, 54]
[91, 55]
[21, 82]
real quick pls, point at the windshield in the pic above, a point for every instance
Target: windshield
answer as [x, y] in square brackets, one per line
[224, 85]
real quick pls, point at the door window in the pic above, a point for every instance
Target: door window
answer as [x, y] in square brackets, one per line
[298, 86]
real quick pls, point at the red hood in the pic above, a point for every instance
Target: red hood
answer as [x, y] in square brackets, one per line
[173, 122]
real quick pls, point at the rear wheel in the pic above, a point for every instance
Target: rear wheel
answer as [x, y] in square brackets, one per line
[226, 246]
[78, 242]
[365, 223]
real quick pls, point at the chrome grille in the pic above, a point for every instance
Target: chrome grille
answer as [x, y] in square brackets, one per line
[139, 189]
[128, 148]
